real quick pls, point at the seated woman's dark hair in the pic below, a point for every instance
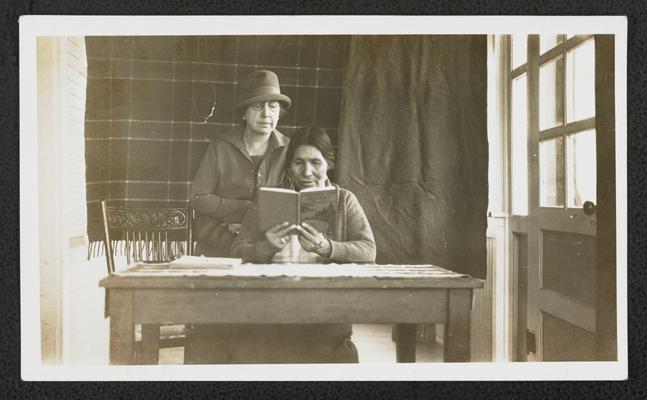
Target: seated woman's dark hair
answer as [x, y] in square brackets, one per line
[312, 136]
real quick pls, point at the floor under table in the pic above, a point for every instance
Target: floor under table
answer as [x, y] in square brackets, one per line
[373, 342]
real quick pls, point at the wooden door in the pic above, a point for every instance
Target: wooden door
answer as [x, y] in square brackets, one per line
[563, 138]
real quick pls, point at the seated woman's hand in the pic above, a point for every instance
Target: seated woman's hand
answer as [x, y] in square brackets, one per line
[279, 234]
[313, 241]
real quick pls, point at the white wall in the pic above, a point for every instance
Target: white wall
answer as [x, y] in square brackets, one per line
[497, 283]
[73, 330]
[86, 331]
[49, 248]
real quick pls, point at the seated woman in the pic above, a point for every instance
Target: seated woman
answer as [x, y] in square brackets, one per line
[309, 157]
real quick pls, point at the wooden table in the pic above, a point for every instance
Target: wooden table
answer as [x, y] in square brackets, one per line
[154, 294]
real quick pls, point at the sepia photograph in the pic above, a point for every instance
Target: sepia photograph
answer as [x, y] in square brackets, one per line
[323, 198]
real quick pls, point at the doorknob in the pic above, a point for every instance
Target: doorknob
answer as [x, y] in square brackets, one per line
[588, 207]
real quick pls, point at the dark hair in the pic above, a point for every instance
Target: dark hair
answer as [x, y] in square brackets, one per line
[311, 136]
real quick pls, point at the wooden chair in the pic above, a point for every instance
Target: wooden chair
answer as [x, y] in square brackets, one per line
[148, 235]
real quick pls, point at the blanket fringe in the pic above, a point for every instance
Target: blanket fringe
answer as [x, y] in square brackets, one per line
[139, 250]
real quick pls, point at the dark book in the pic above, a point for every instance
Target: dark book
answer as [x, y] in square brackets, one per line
[314, 206]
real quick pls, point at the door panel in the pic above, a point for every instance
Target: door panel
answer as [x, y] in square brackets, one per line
[568, 265]
[520, 243]
[563, 341]
[567, 220]
[564, 307]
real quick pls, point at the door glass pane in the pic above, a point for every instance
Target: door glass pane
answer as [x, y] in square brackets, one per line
[580, 82]
[551, 94]
[519, 146]
[551, 172]
[547, 42]
[519, 50]
[581, 162]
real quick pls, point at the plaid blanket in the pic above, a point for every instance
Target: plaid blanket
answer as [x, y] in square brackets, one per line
[154, 102]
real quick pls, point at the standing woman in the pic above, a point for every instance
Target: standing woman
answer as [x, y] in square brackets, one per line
[234, 166]
[238, 162]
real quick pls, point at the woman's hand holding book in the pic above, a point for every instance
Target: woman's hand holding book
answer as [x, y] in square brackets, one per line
[279, 234]
[314, 241]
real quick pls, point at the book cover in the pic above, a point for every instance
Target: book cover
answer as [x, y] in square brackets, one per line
[318, 208]
[277, 205]
[315, 206]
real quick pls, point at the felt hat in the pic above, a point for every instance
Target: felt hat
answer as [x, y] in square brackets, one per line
[261, 86]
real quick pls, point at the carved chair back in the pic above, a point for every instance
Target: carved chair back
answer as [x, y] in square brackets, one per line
[146, 234]
[155, 235]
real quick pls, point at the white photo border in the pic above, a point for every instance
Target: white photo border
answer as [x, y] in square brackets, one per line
[32, 27]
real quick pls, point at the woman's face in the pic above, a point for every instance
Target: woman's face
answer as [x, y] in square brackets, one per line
[308, 167]
[262, 118]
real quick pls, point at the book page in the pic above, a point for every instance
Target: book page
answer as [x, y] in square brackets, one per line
[316, 189]
[319, 208]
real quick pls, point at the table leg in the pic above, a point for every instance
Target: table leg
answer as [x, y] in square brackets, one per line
[122, 332]
[150, 344]
[457, 330]
[405, 345]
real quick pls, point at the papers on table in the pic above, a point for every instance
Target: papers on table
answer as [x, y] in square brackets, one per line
[232, 267]
[342, 270]
[193, 262]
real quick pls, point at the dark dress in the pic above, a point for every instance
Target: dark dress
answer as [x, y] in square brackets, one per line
[225, 185]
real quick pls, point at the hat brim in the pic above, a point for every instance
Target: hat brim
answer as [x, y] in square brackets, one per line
[265, 97]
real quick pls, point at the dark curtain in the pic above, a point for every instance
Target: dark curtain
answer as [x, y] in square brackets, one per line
[148, 98]
[413, 146]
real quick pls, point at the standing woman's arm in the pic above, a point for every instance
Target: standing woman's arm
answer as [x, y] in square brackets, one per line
[202, 194]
